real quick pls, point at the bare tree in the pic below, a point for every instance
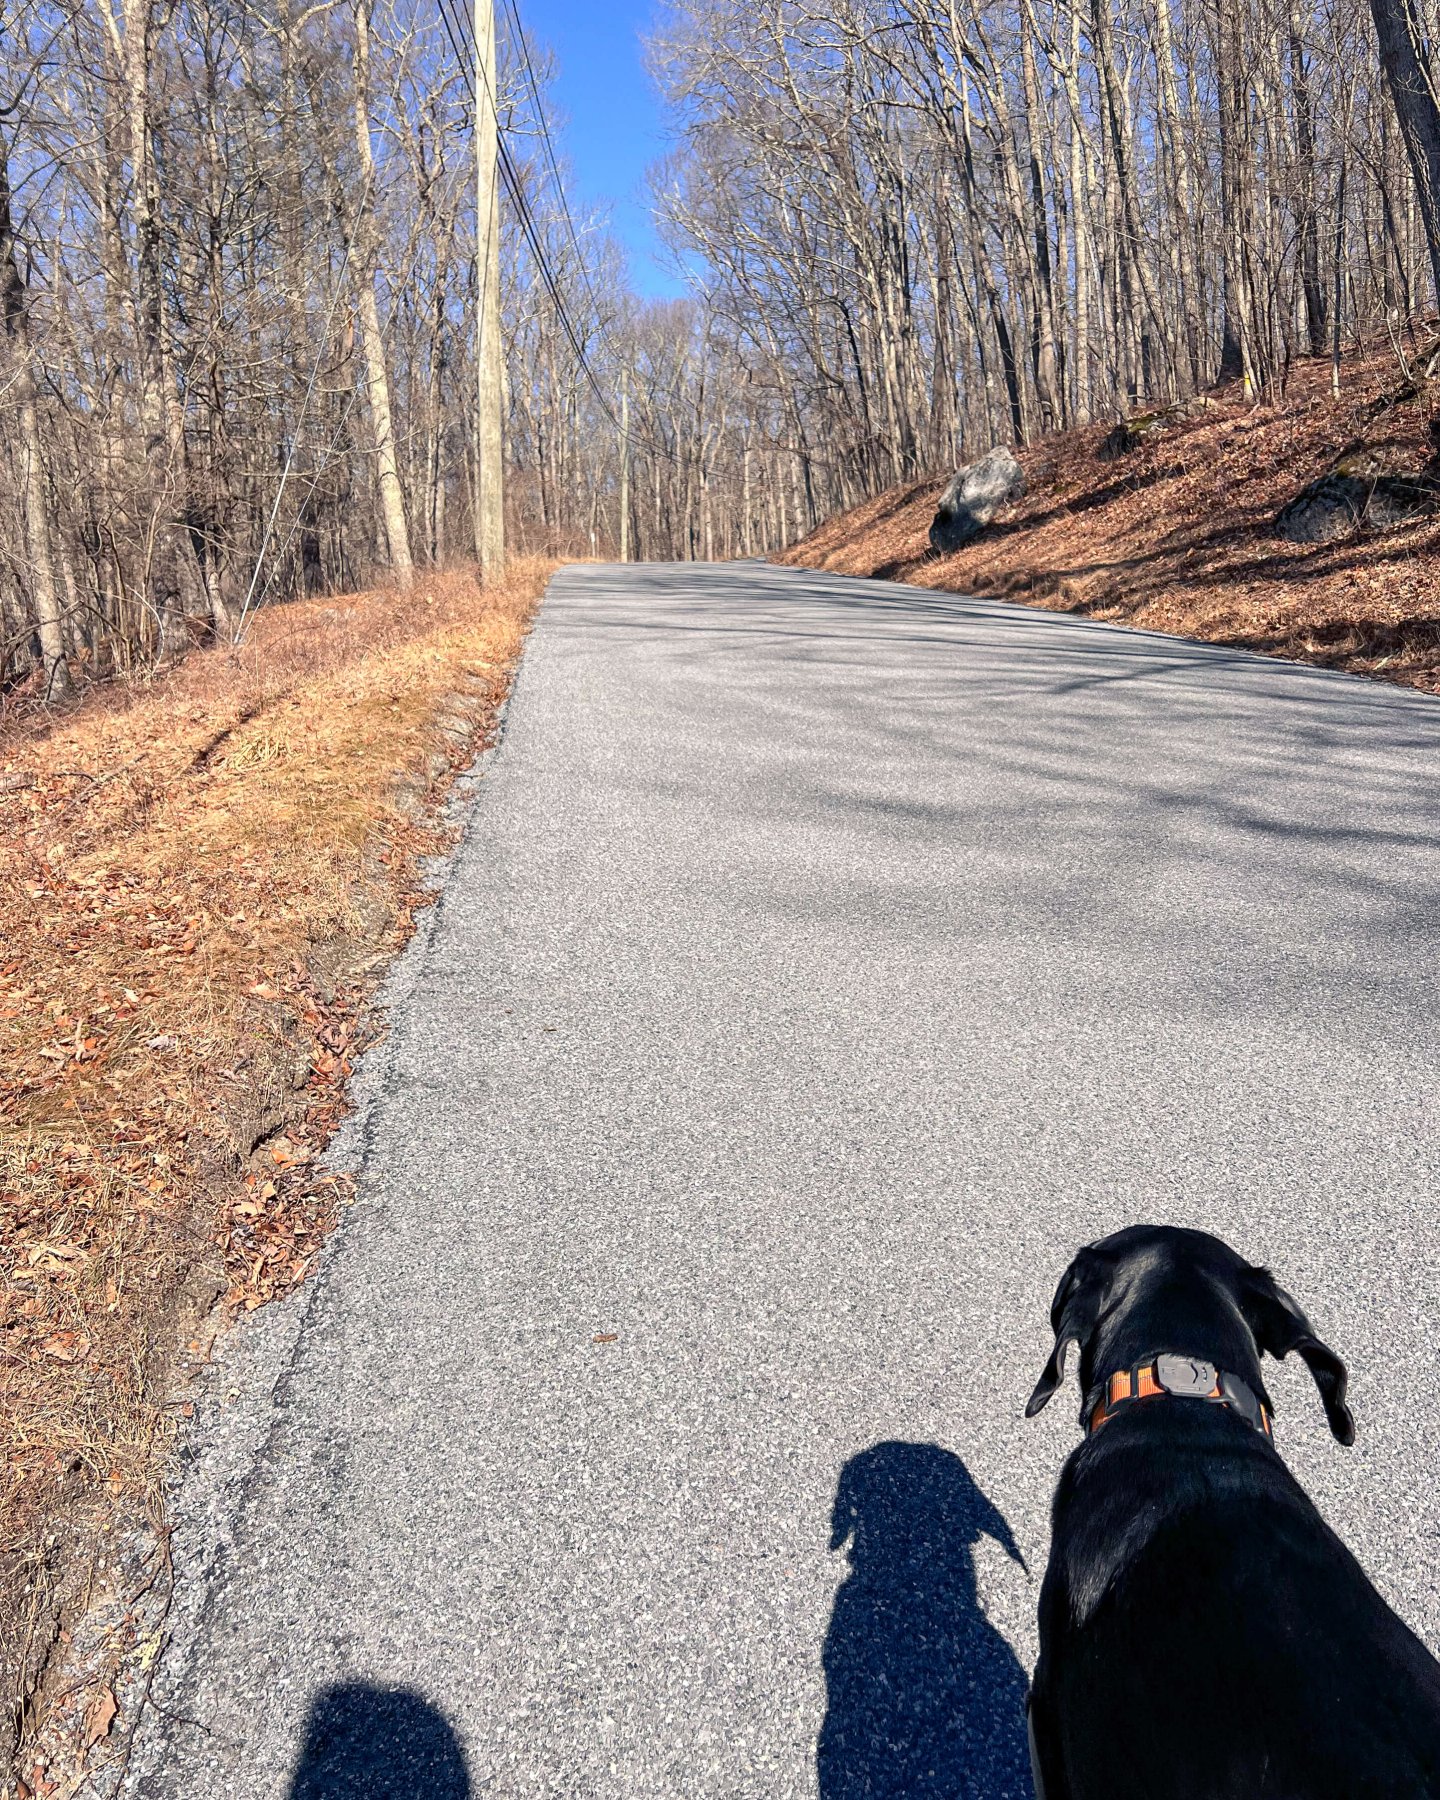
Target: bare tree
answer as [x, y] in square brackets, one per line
[240, 265]
[1408, 61]
[29, 450]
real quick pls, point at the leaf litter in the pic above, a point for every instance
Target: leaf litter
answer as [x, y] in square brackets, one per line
[202, 877]
[1179, 535]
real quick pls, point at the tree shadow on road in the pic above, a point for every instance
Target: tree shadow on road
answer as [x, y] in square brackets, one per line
[376, 1743]
[925, 1698]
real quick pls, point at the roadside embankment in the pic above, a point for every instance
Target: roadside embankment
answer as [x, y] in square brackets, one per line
[202, 876]
[1173, 527]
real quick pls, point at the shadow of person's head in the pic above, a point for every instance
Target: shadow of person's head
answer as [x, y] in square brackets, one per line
[925, 1698]
[897, 1500]
[376, 1743]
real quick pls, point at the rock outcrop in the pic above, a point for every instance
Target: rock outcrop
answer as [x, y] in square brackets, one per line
[1327, 509]
[973, 498]
[1130, 433]
[1353, 495]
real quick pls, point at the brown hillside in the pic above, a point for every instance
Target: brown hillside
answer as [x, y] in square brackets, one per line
[203, 872]
[1177, 536]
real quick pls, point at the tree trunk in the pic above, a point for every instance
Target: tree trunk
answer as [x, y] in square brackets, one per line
[1410, 75]
[1177, 129]
[35, 504]
[1308, 219]
[364, 253]
[1047, 382]
[1134, 268]
[172, 576]
[1243, 353]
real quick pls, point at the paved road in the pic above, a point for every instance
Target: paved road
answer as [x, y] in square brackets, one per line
[825, 960]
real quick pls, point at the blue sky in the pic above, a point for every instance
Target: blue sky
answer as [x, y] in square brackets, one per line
[611, 124]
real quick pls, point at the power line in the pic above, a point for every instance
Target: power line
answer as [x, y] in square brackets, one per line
[548, 141]
[549, 144]
[515, 188]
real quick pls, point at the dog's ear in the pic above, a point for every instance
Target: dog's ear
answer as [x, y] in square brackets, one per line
[1280, 1327]
[1073, 1314]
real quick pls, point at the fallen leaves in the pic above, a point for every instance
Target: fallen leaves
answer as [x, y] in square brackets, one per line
[100, 1717]
[193, 918]
[1178, 536]
[55, 1259]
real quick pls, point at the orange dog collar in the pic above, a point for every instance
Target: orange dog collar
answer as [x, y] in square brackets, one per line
[1184, 1377]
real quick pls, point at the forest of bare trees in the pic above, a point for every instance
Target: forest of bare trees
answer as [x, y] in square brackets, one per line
[934, 225]
[238, 275]
[238, 271]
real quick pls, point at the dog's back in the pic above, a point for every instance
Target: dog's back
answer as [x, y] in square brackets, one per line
[1224, 1642]
[1204, 1635]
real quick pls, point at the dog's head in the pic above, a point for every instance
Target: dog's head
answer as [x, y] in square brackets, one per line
[1154, 1288]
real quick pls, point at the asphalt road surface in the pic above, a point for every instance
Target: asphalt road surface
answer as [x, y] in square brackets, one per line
[825, 961]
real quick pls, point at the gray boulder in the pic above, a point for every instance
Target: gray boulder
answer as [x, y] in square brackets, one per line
[973, 498]
[1339, 504]
[1397, 499]
[1327, 510]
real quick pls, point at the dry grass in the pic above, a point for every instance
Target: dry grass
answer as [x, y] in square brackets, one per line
[1178, 536]
[200, 877]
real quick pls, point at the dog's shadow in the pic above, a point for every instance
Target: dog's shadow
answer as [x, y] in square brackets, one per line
[925, 1698]
[376, 1743]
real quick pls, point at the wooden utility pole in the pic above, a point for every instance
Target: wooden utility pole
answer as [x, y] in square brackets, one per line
[489, 352]
[625, 467]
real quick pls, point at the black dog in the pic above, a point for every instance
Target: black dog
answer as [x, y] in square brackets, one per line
[1203, 1632]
